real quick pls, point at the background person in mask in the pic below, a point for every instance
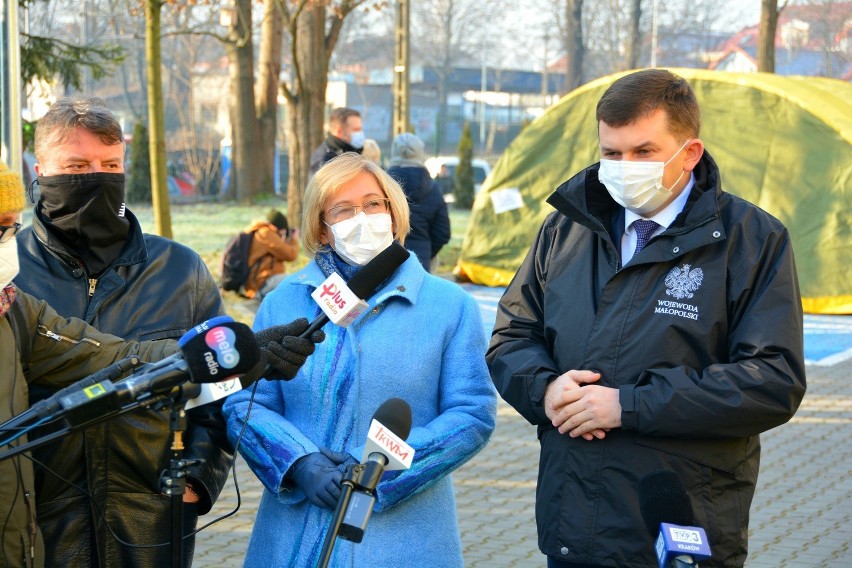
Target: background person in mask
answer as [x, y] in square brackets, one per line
[345, 134]
[655, 324]
[86, 255]
[421, 340]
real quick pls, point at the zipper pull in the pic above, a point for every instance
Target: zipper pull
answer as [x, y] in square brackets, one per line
[33, 527]
[92, 283]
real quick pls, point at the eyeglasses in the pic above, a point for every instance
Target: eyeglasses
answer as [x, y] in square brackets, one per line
[343, 212]
[7, 233]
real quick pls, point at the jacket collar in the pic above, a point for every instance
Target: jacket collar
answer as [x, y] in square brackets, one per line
[133, 251]
[584, 199]
[339, 146]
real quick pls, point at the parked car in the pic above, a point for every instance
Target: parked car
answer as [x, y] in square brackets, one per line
[481, 169]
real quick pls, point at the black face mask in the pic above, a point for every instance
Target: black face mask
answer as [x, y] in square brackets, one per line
[86, 212]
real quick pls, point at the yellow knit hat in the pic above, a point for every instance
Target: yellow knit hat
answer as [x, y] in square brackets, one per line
[11, 191]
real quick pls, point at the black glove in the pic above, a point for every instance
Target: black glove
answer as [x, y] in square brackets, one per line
[342, 459]
[318, 478]
[284, 350]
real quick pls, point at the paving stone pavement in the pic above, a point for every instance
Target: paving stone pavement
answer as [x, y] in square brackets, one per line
[800, 516]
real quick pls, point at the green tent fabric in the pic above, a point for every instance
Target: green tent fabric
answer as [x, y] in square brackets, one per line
[783, 143]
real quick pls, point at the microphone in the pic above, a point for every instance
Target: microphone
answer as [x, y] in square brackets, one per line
[53, 404]
[385, 450]
[342, 303]
[667, 511]
[386, 438]
[209, 353]
[50, 405]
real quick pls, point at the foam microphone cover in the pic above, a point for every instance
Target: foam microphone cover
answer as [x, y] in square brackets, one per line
[364, 282]
[226, 350]
[663, 499]
[395, 415]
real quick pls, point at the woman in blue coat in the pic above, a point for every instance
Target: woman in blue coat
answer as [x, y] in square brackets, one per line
[421, 340]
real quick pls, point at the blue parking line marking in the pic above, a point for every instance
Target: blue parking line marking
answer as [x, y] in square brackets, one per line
[828, 339]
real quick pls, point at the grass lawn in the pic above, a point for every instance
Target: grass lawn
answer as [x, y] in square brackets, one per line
[206, 228]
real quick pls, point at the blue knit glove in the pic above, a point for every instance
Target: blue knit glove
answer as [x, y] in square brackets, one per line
[342, 459]
[319, 479]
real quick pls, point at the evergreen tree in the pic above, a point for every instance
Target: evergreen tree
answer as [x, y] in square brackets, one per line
[139, 182]
[464, 171]
[50, 59]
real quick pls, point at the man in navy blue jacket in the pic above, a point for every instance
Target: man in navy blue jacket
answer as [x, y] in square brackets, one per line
[655, 325]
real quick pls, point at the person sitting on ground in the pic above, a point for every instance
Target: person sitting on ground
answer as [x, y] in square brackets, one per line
[273, 245]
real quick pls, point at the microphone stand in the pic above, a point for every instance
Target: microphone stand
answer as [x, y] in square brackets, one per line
[173, 481]
[362, 476]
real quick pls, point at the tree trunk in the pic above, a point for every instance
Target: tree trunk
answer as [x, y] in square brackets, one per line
[305, 106]
[156, 121]
[245, 129]
[266, 94]
[573, 45]
[766, 36]
[634, 37]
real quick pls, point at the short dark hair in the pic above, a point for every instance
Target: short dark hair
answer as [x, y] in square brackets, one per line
[637, 95]
[339, 116]
[69, 113]
[278, 219]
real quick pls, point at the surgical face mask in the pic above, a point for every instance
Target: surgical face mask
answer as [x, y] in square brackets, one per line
[360, 239]
[8, 262]
[637, 186]
[357, 139]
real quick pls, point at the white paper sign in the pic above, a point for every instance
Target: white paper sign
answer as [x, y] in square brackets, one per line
[507, 199]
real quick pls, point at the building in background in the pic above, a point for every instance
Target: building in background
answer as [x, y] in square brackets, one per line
[810, 40]
[496, 108]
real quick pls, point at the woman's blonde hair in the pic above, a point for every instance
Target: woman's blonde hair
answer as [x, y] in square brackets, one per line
[334, 175]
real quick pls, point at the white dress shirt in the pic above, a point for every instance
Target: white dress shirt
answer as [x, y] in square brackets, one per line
[664, 218]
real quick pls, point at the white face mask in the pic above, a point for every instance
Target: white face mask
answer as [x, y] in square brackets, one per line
[8, 261]
[637, 186]
[360, 239]
[357, 139]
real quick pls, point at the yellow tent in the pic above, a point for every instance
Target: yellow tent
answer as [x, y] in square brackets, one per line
[783, 143]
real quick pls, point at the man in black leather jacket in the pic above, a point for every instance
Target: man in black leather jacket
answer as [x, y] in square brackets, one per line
[86, 255]
[345, 134]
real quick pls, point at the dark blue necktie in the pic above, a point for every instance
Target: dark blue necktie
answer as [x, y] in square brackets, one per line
[644, 229]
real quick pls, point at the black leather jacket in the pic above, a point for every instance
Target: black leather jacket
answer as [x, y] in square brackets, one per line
[155, 289]
[330, 148]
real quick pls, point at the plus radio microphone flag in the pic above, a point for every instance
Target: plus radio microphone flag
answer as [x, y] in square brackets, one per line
[667, 512]
[343, 302]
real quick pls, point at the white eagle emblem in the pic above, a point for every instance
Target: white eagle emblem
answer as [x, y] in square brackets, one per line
[682, 282]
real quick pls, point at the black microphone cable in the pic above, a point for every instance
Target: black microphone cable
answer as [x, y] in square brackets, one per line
[100, 513]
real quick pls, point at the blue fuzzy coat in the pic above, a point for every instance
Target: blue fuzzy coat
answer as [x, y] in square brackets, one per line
[422, 341]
